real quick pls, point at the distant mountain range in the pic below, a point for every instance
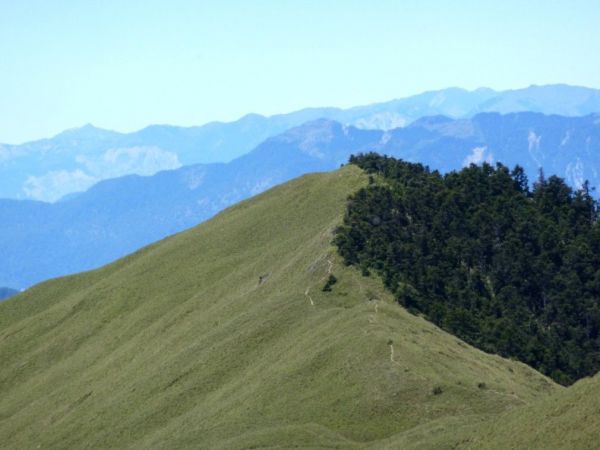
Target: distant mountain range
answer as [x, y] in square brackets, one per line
[73, 161]
[7, 292]
[115, 217]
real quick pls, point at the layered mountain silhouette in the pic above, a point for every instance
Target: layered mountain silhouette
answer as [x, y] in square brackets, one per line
[115, 217]
[73, 161]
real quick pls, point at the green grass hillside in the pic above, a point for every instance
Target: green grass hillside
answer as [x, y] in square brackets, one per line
[568, 420]
[221, 337]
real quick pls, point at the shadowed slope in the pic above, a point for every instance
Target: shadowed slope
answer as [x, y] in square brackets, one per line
[221, 337]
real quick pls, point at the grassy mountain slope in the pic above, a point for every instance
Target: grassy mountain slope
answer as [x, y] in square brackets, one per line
[220, 337]
[568, 419]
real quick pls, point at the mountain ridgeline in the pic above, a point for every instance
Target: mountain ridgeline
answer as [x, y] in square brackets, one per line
[74, 160]
[509, 269]
[118, 216]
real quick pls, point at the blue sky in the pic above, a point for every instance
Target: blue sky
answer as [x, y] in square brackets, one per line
[126, 64]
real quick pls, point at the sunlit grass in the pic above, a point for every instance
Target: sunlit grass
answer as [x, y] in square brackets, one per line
[222, 337]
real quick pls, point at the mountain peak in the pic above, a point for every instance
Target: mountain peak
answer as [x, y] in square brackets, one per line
[251, 117]
[87, 131]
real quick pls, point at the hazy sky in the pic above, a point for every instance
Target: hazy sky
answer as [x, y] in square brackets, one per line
[126, 64]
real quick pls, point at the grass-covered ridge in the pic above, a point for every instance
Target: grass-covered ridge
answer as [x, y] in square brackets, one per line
[222, 337]
[512, 270]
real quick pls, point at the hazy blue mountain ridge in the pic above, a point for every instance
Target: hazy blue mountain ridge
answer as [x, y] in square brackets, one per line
[115, 217]
[6, 292]
[76, 159]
